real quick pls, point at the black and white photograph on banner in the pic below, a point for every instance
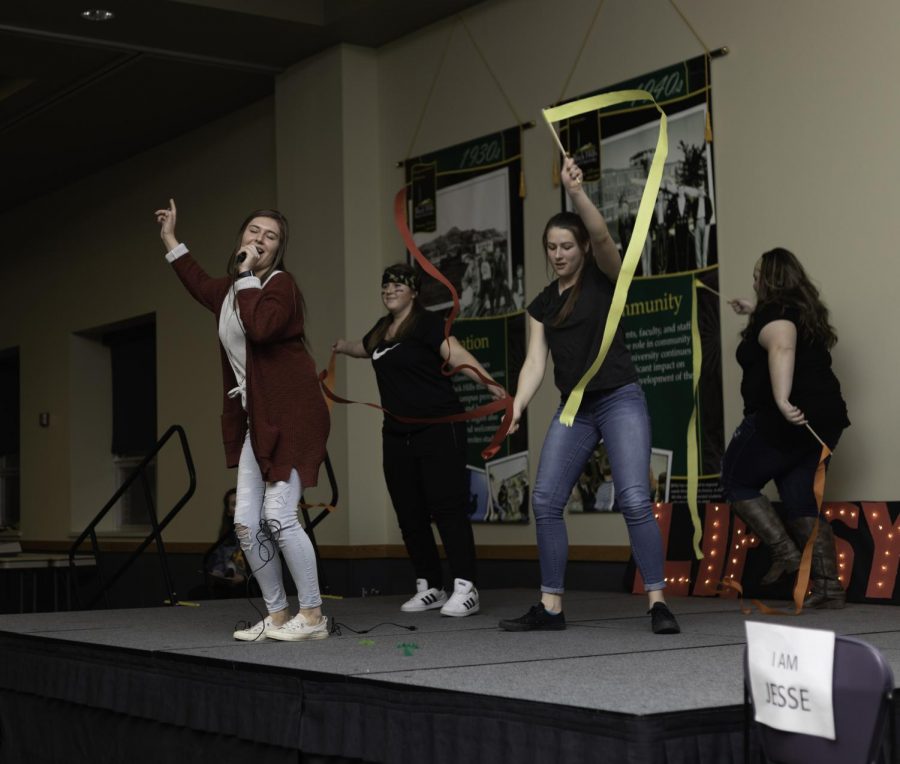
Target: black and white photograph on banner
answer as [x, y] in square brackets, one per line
[679, 235]
[595, 490]
[479, 494]
[681, 226]
[509, 489]
[660, 474]
[470, 245]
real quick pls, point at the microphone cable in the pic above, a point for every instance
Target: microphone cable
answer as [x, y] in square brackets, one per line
[267, 536]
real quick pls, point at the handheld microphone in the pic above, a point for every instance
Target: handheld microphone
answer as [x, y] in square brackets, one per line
[243, 256]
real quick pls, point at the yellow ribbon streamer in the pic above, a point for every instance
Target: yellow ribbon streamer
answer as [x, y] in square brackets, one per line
[693, 456]
[641, 225]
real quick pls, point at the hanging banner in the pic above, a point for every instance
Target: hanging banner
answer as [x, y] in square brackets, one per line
[678, 272]
[424, 191]
[466, 215]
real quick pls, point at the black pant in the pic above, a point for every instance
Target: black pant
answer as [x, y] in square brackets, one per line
[750, 462]
[426, 475]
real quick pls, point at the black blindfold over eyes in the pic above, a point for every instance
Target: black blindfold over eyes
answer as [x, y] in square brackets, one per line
[398, 277]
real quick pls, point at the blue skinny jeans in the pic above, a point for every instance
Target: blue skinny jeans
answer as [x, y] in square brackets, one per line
[750, 462]
[621, 419]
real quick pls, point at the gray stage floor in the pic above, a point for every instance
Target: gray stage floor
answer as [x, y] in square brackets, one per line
[606, 660]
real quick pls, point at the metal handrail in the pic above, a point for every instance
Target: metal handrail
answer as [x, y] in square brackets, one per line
[157, 526]
[310, 524]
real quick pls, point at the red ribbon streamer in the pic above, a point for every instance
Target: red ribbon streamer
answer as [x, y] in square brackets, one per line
[326, 377]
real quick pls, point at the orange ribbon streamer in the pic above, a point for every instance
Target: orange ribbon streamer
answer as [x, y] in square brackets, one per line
[326, 377]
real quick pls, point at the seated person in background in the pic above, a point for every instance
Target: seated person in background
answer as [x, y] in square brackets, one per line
[225, 561]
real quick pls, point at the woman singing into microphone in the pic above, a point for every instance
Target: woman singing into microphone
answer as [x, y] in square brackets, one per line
[274, 419]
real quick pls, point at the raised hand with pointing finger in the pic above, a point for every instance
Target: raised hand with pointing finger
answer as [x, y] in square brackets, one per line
[166, 219]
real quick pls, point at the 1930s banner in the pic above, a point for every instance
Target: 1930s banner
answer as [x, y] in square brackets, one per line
[679, 267]
[466, 217]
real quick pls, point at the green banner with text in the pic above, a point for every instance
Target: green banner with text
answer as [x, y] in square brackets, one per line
[466, 212]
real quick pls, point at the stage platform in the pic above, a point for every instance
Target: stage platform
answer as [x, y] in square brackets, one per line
[170, 684]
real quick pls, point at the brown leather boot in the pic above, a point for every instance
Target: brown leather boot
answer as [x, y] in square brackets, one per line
[826, 590]
[761, 518]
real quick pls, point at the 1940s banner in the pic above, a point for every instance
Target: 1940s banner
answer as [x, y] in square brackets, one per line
[679, 266]
[466, 216]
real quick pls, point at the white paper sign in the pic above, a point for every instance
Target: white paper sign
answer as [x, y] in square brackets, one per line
[791, 676]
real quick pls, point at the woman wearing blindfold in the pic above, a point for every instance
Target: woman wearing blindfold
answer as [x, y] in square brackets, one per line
[424, 463]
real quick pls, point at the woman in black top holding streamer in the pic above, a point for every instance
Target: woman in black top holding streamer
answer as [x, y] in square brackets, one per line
[567, 320]
[787, 383]
[424, 464]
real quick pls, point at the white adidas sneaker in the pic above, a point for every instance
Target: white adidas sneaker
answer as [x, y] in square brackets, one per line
[425, 598]
[463, 601]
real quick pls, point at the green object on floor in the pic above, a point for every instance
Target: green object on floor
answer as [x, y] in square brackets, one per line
[367, 642]
[408, 648]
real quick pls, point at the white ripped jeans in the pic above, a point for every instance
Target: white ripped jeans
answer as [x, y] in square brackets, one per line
[274, 505]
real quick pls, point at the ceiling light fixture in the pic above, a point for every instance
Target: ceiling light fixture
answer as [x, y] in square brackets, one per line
[98, 14]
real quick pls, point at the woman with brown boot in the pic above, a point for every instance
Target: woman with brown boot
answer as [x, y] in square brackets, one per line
[787, 383]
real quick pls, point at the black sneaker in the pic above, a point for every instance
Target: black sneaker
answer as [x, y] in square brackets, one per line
[662, 621]
[536, 619]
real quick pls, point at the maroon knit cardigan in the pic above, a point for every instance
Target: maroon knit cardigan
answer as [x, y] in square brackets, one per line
[289, 421]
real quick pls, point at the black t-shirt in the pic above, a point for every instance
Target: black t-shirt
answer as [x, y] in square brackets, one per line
[815, 389]
[408, 372]
[575, 343]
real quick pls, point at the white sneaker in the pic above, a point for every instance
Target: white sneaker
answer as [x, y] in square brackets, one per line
[424, 599]
[463, 601]
[299, 628]
[258, 631]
